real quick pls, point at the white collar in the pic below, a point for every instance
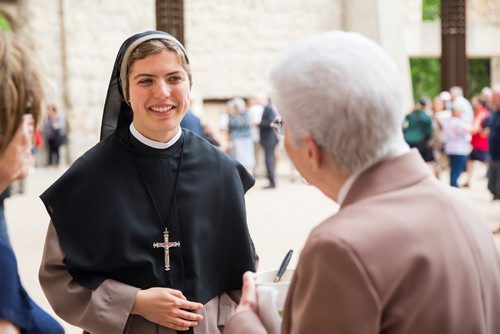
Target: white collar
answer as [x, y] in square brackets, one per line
[344, 189]
[153, 143]
[348, 184]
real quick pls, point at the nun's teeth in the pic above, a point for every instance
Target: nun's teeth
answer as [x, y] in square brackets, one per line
[163, 109]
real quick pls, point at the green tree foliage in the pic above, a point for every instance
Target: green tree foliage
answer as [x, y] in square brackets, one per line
[479, 75]
[431, 10]
[425, 77]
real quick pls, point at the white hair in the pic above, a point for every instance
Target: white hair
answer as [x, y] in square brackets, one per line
[238, 104]
[445, 96]
[456, 91]
[496, 88]
[343, 90]
[487, 92]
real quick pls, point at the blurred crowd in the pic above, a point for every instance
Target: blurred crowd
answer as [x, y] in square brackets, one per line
[451, 132]
[248, 134]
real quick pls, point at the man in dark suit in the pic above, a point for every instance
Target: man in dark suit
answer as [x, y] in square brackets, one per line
[269, 141]
[493, 126]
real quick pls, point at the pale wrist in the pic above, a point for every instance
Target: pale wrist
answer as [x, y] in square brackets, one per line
[137, 306]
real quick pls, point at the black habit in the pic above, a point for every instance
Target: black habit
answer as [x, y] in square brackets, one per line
[113, 202]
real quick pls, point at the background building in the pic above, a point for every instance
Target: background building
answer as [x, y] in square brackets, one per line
[232, 44]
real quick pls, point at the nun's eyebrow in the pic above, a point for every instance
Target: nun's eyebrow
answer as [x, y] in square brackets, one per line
[148, 75]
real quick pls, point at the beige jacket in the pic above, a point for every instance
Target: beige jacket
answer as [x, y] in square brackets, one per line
[404, 254]
[106, 310]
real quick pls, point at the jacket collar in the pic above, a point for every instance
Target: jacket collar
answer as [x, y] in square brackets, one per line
[386, 175]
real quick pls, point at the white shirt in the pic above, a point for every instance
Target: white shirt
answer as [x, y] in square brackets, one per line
[154, 143]
[456, 133]
[465, 107]
[255, 114]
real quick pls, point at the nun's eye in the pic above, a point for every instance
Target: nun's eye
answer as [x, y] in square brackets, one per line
[175, 78]
[145, 82]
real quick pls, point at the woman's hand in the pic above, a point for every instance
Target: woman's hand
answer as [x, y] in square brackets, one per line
[167, 307]
[248, 299]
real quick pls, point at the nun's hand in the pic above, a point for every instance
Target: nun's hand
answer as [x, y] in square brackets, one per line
[167, 307]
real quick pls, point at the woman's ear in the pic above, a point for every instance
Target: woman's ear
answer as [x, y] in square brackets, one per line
[315, 152]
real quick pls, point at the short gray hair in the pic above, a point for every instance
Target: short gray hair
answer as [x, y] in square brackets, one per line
[487, 92]
[238, 104]
[457, 91]
[344, 91]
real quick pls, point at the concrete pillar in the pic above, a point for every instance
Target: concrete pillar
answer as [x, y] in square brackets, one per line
[382, 21]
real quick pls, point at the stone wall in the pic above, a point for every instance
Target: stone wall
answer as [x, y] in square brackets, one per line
[485, 12]
[77, 42]
[233, 44]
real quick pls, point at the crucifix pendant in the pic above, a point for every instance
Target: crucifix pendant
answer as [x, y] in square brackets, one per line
[166, 245]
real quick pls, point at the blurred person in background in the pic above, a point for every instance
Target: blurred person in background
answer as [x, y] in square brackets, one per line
[209, 135]
[417, 129]
[445, 113]
[479, 139]
[255, 110]
[456, 132]
[269, 140]
[487, 97]
[461, 104]
[240, 135]
[192, 122]
[437, 139]
[492, 126]
[55, 134]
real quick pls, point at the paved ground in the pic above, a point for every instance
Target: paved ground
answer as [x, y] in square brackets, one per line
[279, 220]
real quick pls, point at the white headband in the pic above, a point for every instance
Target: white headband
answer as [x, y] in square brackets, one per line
[131, 48]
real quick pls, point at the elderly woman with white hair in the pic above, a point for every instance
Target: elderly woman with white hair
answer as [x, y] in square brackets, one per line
[404, 253]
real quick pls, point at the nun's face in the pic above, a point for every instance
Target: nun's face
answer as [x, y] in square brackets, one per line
[159, 95]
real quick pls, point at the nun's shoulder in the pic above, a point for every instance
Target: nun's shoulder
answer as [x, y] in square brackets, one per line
[215, 160]
[102, 156]
[201, 148]
[102, 152]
